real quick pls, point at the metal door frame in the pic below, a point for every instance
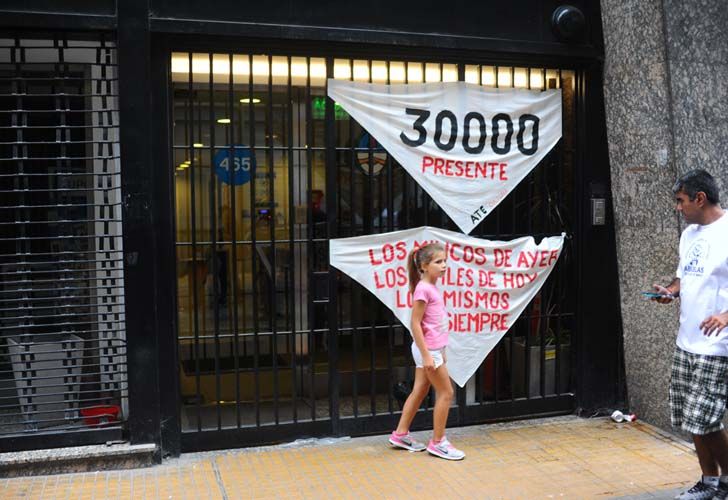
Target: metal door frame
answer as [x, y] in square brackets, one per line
[461, 415]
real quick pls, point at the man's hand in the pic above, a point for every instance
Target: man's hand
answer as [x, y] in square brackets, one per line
[714, 323]
[663, 291]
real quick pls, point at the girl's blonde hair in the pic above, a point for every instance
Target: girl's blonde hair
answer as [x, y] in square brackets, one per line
[418, 258]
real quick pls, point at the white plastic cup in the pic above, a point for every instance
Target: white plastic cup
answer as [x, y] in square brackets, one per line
[619, 417]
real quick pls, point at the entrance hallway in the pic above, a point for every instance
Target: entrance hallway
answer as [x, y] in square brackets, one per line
[562, 457]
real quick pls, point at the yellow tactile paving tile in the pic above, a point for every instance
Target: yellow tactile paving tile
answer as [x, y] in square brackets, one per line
[557, 458]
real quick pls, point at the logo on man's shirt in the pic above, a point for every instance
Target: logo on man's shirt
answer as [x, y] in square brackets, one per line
[696, 258]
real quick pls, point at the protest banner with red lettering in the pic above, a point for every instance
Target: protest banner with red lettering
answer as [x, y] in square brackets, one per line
[486, 287]
[468, 146]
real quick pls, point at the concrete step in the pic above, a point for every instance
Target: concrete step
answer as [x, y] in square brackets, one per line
[76, 459]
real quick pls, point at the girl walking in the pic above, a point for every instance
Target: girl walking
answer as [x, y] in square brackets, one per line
[429, 332]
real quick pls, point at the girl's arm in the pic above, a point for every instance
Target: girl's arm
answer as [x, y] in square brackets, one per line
[418, 311]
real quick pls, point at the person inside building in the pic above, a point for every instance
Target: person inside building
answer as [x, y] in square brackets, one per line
[699, 379]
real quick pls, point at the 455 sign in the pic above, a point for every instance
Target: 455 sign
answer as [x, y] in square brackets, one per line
[234, 166]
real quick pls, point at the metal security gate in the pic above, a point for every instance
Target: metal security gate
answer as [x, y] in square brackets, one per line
[273, 344]
[62, 341]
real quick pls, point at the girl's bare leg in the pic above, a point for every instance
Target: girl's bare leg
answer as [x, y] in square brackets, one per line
[440, 380]
[414, 400]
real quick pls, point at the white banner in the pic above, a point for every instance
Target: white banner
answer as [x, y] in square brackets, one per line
[486, 287]
[468, 146]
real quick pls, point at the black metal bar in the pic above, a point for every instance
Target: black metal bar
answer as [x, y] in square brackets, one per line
[167, 323]
[390, 228]
[240, 139]
[355, 288]
[254, 248]
[233, 224]
[402, 43]
[183, 147]
[411, 219]
[262, 241]
[138, 227]
[60, 222]
[28, 355]
[67, 96]
[25, 191]
[481, 373]
[34, 317]
[310, 234]
[461, 395]
[497, 349]
[39, 158]
[54, 174]
[30, 78]
[63, 271]
[64, 111]
[61, 205]
[272, 228]
[369, 229]
[291, 238]
[70, 379]
[558, 284]
[529, 307]
[425, 198]
[59, 280]
[213, 237]
[75, 332]
[331, 230]
[56, 237]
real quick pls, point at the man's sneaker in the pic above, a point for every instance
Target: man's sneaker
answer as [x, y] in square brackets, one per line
[406, 441]
[699, 491]
[445, 450]
[721, 493]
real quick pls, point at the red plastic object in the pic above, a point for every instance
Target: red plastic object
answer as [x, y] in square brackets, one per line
[99, 416]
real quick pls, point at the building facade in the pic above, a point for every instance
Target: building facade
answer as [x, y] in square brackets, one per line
[665, 85]
[172, 173]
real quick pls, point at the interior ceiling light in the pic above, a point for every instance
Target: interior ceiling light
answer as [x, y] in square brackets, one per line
[246, 100]
[198, 145]
[224, 121]
[280, 70]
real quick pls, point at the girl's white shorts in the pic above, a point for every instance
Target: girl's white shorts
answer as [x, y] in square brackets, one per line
[437, 356]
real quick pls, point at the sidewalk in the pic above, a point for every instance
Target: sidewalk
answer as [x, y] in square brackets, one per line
[562, 457]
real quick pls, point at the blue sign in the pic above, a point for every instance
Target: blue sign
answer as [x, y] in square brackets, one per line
[234, 167]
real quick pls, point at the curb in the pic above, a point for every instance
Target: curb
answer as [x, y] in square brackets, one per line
[76, 459]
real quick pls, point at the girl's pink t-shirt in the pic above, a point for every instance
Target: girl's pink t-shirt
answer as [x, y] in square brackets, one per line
[434, 321]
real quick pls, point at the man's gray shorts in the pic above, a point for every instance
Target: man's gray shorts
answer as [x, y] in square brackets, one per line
[698, 392]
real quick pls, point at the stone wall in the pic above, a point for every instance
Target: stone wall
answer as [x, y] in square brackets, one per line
[666, 97]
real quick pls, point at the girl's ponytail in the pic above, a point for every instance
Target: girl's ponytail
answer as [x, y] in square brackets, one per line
[413, 270]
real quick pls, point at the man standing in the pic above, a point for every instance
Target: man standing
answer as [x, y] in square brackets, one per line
[699, 379]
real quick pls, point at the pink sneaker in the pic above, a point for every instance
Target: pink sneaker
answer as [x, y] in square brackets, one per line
[445, 450]
[406, 441]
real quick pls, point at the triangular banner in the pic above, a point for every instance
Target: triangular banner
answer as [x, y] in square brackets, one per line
[468, 146]
[485, 289]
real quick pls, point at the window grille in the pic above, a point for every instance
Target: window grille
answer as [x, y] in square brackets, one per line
[255, 156]
[62, 338]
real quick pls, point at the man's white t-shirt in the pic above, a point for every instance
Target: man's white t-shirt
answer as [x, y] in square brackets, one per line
[703, 273]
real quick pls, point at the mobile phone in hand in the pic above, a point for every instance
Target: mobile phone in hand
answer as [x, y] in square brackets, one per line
[655, 295]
